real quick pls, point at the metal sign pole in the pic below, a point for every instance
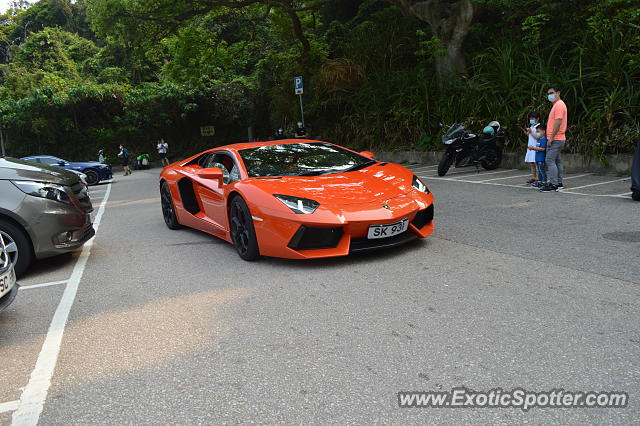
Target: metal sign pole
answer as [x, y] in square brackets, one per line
[2, 142]
[302, 111]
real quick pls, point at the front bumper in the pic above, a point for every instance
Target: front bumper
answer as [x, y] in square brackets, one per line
[6, 300]
[347, 225]
[54, 228]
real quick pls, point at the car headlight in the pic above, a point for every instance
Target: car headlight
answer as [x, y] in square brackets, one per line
[298, 205]
[420, 186]
[50, 191]
[448, 141]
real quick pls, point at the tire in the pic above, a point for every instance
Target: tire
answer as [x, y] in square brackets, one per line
[493, 160]
[92, 177]
[168, 208]
[635, 195]
[18, 246]
[243, 233]
[445, 163]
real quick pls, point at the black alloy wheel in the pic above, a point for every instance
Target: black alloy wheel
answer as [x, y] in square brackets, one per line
[92, 177]
[242, 232]
[168, 210]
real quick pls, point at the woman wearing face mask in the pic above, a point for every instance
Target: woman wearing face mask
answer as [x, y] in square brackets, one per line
[534, 134]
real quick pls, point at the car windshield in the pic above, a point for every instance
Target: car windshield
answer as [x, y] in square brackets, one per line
[301, 159]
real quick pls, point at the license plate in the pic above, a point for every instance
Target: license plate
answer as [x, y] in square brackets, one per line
[7, 281]
[385, 231]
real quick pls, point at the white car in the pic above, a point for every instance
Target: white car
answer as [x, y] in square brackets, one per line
[8, 285]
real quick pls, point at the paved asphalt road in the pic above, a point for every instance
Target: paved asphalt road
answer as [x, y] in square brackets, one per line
[515, 289]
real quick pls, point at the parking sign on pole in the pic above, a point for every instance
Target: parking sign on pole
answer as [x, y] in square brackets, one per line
[299, 88]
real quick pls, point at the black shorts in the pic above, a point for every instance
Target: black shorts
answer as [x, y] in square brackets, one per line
[162, 154]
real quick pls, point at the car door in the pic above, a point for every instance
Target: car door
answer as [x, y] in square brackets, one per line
[213, 193]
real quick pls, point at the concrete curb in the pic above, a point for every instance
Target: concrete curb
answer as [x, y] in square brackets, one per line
[573, 163]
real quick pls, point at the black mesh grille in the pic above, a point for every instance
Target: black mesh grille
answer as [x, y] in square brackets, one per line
[314, 238]
[362, 244]
[423, 217]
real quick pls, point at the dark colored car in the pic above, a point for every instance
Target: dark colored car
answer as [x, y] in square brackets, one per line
[44, 211]
[95, 171]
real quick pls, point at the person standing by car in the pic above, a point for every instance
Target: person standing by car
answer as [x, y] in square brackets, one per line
[301, 132]
[125, 157]
[280, 134]
[556, 139]
[163, 147]
[101, 157]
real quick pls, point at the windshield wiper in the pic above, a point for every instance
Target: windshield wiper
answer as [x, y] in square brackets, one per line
[315, 172]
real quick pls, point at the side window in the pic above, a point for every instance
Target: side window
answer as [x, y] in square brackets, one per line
[49, 161]
[230, 171]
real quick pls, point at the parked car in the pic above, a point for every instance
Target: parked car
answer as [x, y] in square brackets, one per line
[8, 285]
[296, 199]
[95, 171]
[44, 211]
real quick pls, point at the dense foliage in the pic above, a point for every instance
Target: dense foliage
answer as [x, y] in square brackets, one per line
[83, 75]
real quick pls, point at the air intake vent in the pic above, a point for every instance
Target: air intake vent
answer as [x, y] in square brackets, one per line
[315, 238]
[423, 217]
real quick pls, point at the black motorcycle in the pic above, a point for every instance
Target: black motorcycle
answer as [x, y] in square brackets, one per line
[465, 148]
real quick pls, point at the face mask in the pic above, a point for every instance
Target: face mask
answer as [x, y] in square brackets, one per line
[532, 122]
[551, 97]
[538, 134]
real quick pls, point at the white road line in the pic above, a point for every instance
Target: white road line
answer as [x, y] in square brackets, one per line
[34, 394]
[480, 182]
[423, 167]
[478, 173]
[8, 406]
[625, 195]
[575, 177]
[29, 287]
[599, 183]
[590, 195]
[508, 177]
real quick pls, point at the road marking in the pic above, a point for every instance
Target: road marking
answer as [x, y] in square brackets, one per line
[508, 177]
[8, 406]
[480, 173]
[625, 195]
[575, 177]
[599, 183]
[34, 394]
[29, 287]
[423, 167]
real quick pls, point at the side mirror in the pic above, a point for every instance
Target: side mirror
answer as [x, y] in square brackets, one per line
[367, 154]
[62, 163]
[213, 173]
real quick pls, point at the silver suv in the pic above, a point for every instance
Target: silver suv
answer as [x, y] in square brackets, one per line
[44, 211]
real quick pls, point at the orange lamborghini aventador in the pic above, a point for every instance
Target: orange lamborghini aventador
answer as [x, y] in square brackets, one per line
[296, 199]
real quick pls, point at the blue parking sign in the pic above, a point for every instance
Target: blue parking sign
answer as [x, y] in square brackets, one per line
[298, 86]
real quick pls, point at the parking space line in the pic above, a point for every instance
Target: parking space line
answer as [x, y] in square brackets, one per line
[508, 177]
[423, 167]
[476, 173]
[35, 392]
[625, 195]
[29, 287]
[599, 183]
[8, 406]
[575, 177]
